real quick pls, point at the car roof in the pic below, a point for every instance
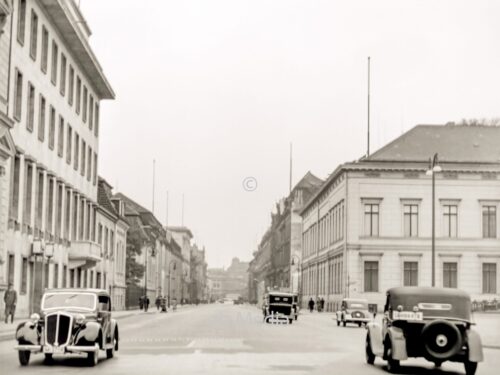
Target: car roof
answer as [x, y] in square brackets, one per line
[428, 291]
[78, 290]
[362, 300]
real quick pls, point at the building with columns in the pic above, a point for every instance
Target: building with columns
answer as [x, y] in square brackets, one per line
[7, 148]
[55, 88]
[369, 227]
[182, 235]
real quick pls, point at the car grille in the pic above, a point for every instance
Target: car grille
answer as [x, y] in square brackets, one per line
[57, 329]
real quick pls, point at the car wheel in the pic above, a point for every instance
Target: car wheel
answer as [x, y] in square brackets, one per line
[344, 323]
[370, 357]
[290, 321]
[110, 353]
[392, 364]
[470, 367]
[93, 357]
[24, 357]
[360, 324]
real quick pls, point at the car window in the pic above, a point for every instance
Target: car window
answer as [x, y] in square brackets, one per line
[68, 300]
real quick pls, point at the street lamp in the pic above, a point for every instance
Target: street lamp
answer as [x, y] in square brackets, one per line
[433, 169]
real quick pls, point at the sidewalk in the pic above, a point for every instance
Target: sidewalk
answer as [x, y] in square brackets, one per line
[7, 331]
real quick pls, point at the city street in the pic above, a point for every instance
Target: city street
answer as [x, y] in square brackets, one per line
[230, 339]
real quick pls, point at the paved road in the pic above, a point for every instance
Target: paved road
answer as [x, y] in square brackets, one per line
[227, 339]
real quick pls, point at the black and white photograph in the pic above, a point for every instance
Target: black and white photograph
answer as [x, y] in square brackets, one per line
[268, 187]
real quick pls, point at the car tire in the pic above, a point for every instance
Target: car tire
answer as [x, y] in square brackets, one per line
[392, 364]
[344, 323]
[360, 324]
[470, 367]
[24, 357]
[93, 358]
[370, 357]
[290, 321]
[110, 353]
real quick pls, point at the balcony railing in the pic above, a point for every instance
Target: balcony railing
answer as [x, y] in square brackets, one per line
[84, 254]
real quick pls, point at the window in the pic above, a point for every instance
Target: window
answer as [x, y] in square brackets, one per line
[371, 219]
[71, 85]
[45, 50]
[10, 269]
[83, 163]
[21, 21]
[60, 138]
[410, 270]
[489, 222]
[34, 34]
[41, 119]
[64, 278]
[31, 107]
[55, 53]
[84, 105]
[78, 94]
[96, 128]
[24, 276]
[89, 163]
[77, 152]
[95, 169]
[450, 274]
[69, 139]
[50, 205]
[371, 276]
[46, 276]
[18, 95]
[489, 278]
[411, 220]
[62, 89]
[91, 112]
[52, 127]
[450, 220]
[55, 283]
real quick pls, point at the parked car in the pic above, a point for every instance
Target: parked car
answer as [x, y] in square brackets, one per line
[354, 310]
[434, 323]
[71, 321]
[278, 306]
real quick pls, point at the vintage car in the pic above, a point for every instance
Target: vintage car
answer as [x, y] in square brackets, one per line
[295, 306]
[278, 307]
[70, 321]
[354, 310]
[434, 323]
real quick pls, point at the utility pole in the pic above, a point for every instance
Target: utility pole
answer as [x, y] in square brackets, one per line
[182, 210]
[166, 216]
[153, 202]
[290, 187]
[368, 119]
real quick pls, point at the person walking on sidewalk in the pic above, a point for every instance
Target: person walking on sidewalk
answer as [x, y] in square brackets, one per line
[146, 303]
[10, 299]
[158, 302]
[311, 305]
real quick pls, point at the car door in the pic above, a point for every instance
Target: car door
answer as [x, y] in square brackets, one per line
[104, 316]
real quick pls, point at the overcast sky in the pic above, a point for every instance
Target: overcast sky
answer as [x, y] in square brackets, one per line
[216, 90]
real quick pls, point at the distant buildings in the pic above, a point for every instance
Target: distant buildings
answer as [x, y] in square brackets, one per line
[277, 261]
[183, 236]
[231, 281]
[369, 226]
[198, 288]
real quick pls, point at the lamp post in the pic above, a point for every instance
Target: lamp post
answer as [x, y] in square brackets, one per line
[433, 169]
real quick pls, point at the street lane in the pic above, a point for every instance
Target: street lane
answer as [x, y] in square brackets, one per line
[228, 339]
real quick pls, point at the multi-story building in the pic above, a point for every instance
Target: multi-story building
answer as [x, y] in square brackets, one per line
[277, 261]
[55, 88]
[232, 281]
[112, 237]
[183, 236]
[173, 266]
[369, 227]
[7, 148]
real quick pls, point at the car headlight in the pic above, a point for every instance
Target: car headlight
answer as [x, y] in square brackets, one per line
[35, 317]
[79, 319]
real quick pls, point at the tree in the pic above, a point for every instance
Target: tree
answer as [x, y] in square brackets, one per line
[134, 270]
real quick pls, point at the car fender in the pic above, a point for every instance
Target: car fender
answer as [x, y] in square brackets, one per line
[27, 332]
[398, 343]
[376, 339]
[475, 346]
[88, 334]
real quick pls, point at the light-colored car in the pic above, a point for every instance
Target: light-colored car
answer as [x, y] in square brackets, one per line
[70, 321]
[354, 310]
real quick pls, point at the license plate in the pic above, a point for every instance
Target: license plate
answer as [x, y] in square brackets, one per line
[407, 315]
[53, 349]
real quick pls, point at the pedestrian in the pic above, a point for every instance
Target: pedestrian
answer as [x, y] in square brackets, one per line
[311, 305]
[163, 302]
[146, 303]
[322, 302]
[141, 302]
[157, 302]
[10, 299]
[318, 304]
[174, 304]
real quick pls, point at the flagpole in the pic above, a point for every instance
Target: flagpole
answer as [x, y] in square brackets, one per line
[153, 202]
[368, 118]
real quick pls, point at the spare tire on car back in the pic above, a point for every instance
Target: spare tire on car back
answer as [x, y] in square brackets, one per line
[441, 339]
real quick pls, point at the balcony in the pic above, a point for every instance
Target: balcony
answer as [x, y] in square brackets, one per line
[84, 254]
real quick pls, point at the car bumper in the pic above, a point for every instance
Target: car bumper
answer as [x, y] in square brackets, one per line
[29, 348]
[358, 320]
[55, 350]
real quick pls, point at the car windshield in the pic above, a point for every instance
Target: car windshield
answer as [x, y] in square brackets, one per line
[357, 305]
[64, 300]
